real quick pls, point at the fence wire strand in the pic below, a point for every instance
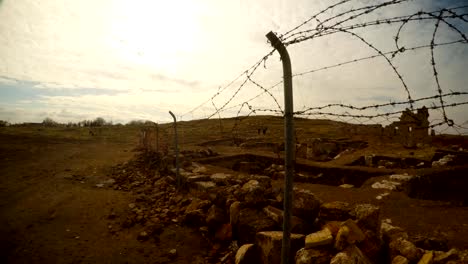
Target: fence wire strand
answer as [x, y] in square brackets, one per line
[337, 19]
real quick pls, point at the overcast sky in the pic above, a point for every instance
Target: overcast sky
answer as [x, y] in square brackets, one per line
[123, 60]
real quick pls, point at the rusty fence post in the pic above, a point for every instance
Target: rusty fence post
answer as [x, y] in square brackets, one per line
[288, 144]
[176, 151]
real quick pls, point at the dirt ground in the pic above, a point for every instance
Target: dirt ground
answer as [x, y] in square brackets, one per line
[52, 211]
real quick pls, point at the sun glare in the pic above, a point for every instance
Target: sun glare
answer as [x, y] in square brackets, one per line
[156, 34]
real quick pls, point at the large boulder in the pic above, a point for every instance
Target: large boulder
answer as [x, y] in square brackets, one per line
[298, 225]
[348, 234]
[270, 244]
[305, 205]
[320, 238]
[247, 254]
[254, 193]
[335, 211]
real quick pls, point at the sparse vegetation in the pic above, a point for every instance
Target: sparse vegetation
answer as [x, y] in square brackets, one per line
[49, 122]
[3, 123]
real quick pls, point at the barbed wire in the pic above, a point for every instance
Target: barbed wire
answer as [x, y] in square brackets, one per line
[345, 22]
[376, 106]
[394, 52]
[302, 35]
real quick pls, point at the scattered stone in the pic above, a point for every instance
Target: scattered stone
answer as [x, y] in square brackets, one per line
[321, 238]
[297, 225]
[333, 226]
[221, 178]
[382, 195]
[247, 254]
[446, 160]
[430, 243]
[197, 204]
[401, 246]
[341, 241]
[250, 222]
[202, 186]
[143, 235]
[427, 258]
[352, 255]
[313, 256]
[367, 216]
[355, 233]
[198, 178]
[253, 192]
[443, 257]
[265, 181]
[400, 260]
[199, 169]
[401, 177]
[372, 246]
[270, 244]
[390, 232]
[335, 211]
[305, 205]
[131, 205]
[234, 211]
[172, 253]
[384, 184]
[274, 213]
[215, 217]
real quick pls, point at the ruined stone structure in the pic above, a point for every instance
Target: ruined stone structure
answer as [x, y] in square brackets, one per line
[412, 127]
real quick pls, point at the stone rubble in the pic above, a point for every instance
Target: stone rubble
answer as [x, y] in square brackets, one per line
[245, 210]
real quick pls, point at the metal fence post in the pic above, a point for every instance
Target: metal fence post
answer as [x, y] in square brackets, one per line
[157, 138]
[288, 144]
[176, 151]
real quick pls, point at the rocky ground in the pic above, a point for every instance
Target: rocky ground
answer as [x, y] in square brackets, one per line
[96, 200]
[240, 216]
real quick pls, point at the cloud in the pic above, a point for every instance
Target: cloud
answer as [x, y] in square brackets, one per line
[125, 60]
[7, 81]
[165, 78]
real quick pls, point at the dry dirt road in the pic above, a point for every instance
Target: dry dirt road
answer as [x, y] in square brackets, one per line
[52, 212]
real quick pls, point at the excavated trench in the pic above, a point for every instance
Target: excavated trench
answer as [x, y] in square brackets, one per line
[317, 174]
[442, 184]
